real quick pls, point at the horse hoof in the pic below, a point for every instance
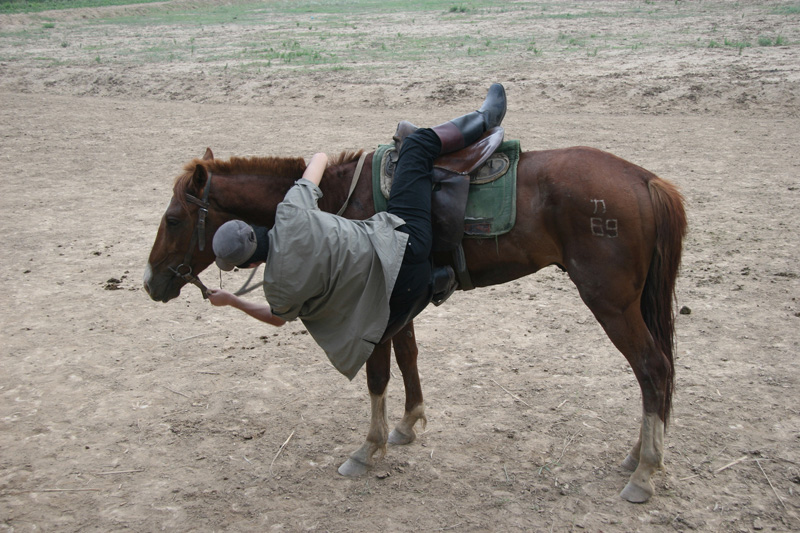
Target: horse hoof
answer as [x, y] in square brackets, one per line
[398, 439]
[353, 468]
[635, 493]
[629, 463]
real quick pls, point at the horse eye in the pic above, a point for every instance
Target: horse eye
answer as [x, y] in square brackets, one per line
[172, 222]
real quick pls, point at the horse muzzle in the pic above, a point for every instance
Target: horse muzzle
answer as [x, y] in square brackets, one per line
[161, 287]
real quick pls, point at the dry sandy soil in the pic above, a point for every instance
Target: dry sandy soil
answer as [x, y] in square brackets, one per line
[117, 413]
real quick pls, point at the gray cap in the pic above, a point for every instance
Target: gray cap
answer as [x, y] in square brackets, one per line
[234, 243]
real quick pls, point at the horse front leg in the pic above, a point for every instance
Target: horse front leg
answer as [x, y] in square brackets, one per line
[406, 352]
[377, 380]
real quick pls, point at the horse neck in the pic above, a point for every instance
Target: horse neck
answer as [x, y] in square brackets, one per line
[254, 198]
[250, 197]
[336, 184]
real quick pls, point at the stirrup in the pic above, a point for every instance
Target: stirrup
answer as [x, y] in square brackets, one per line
[444, 284]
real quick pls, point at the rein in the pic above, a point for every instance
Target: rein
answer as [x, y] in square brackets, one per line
[356, 175]
[198, 238]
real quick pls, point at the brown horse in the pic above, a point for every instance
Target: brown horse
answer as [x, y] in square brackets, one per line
[615, 228]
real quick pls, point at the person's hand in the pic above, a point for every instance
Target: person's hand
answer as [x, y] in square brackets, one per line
[219, 297]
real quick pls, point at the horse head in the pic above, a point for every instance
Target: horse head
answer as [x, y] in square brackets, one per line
[209, 193]
[182, 248]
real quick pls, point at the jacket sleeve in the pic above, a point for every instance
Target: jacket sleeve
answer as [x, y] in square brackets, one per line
[303, 194]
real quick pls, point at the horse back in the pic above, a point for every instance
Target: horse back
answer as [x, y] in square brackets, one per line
[573, 204]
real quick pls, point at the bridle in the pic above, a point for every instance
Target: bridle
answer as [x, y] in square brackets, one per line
[198, 238]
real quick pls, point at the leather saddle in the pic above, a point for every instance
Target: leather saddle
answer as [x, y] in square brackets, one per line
[452, 175]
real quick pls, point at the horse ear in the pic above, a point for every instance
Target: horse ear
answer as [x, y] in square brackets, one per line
[200, 176]
[208, 156]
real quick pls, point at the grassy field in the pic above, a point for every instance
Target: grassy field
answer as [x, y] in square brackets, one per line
[38, 6]
[254, 51]
[332, 35]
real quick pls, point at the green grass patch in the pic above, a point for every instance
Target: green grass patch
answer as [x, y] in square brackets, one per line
[37, 6]
[728, 43]
[769, 41]
[740, 45]
[787, 10]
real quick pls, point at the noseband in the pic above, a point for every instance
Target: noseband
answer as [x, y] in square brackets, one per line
[184, 270]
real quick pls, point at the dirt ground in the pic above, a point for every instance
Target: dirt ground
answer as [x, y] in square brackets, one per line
[117, 413]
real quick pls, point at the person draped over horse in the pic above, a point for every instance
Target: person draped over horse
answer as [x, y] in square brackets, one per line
[353, 283]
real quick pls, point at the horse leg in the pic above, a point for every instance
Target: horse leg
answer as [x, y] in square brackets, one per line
[651, 458]
[405, 351]
[616, 303]
[631, 461]
[628, 332]
[377, 380]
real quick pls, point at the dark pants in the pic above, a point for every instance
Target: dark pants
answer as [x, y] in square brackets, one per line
[410, 199]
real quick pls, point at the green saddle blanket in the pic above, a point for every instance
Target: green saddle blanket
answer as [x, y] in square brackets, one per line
[491, 204]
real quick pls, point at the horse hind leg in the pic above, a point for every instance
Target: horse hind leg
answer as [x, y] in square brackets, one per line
[631, 461]
[626, 328]
[651, 456]
[378, 374]
[653, 371]
[406, 351]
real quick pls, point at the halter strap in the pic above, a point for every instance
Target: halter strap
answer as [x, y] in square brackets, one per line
[202, 213]
[198, 238]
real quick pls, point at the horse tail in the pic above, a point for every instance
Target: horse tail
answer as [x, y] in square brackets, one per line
[659, 288]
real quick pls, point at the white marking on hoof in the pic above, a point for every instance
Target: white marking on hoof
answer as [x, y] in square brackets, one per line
[629, 463]
[398, 438]
[353, 468]
[636, 494]
[404, 432]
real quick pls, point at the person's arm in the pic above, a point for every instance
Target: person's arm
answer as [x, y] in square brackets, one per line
[260, 312]
[316, 167]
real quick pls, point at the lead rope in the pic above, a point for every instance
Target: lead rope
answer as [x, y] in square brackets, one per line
[245, 289]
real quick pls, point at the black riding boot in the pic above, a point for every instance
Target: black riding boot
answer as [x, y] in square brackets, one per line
[465, 130]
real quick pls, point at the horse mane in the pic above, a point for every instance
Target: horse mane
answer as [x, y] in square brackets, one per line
[347, 156]
[289, 167]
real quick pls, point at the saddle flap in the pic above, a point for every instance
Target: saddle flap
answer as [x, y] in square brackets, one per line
[469, 158]
[448, 208]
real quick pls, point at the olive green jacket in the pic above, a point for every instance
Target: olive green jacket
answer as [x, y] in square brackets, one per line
[335, 274]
